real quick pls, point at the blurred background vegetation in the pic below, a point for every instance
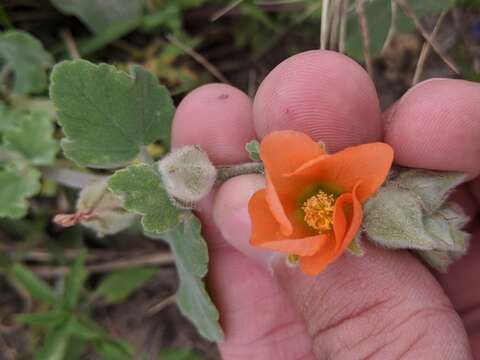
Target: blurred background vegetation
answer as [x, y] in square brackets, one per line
[117, 291]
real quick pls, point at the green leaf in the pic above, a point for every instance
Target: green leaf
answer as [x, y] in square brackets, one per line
[47, 319]
[117, 286]
[8, 118]
[191, 254]
[99, 15]
[355, 247]
[421, 9]
[378, 17]
[15, 189]
[108, 115]
[433, 187]
[253, 149]
[179, 354]
[74, 282]
[85, 329]
[56, 343]
[142, 192]
[394, 218]
[36, 287]
[33, 139]
[28, 60]
[113, 350]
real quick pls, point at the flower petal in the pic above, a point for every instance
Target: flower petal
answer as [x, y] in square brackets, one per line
[307, 246]
[283, 152]
[313, 265]
[366, 164]
[266, 234]
[347, 229]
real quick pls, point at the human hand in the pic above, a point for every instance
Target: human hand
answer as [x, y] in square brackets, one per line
[384, 305]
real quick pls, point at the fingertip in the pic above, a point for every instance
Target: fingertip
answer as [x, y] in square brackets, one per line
[230, 214]
[218, 117]
[436, 125]
[322, 93]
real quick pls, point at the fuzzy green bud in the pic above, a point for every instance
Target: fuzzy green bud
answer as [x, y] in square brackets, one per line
[101, 211]
[411, 212]
[188, 175]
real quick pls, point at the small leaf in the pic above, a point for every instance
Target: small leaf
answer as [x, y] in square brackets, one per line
[394, 219]
[113, 350]
[14, 191]
[106, 213]
[55, 345]
[28, 60]
[74, 282]
[355, 247]
[108, 115]
[433, 187]
[84, 329]
[9, 118]
[99, 15]
[32, 139]
[36, 287]
[179, 354]
[253, 149]
[117, 286]
[48, 319]
[140, 188]
[193, 300]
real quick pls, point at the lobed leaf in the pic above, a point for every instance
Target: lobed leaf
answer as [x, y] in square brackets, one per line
[27, 58]
[191, 254]
[32, 139]
[14, 191]
[142, 192]
[108, 115]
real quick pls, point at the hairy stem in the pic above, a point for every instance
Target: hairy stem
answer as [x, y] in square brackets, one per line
[228, 171]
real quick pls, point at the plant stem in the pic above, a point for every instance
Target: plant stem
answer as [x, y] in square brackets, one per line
[228, 171]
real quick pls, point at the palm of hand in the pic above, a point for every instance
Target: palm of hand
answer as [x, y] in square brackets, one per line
[383, 305]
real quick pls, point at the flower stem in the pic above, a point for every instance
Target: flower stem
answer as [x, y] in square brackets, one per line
[226, 172]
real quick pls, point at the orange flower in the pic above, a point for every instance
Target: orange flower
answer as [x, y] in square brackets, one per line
[312, 204]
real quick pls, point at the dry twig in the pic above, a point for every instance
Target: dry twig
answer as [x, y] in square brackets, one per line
[324, 25]
[162, 304]
[409, 12]
[198, 58]
[225, 10]
[393, 22]
[161, 258]
[70, 43]
[426, 49]
[362, 21]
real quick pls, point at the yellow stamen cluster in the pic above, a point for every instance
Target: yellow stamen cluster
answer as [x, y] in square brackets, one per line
[318, 211]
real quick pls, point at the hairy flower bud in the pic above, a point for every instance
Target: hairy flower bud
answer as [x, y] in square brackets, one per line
[412, 212]
[187, 174]
[101, 211]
